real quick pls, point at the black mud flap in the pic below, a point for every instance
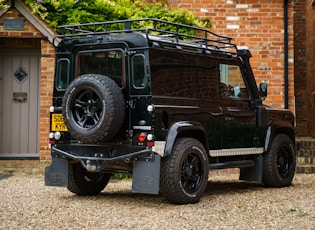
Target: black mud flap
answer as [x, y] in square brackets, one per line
[253, 173]
[146, 175]
[57, 173]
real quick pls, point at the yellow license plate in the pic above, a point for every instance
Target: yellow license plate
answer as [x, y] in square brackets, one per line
[57, 123]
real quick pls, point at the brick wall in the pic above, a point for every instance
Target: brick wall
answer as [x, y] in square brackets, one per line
[306, 157]
[301, 83]
[304, 67]
[47, 83]
[310, 28]
[29, 30]
[307, 68]
[257, 25]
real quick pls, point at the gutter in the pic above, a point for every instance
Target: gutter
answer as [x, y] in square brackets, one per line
[286, 55]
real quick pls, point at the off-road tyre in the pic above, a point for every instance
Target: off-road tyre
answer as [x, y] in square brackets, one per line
[85, 183]
[184, 174]
[93, 108]
[279, 162]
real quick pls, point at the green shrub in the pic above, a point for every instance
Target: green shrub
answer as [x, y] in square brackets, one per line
[3, 6]
[64, 12]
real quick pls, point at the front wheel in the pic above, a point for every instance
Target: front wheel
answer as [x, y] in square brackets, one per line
[85, 183]
[184, 174]
[279, 162]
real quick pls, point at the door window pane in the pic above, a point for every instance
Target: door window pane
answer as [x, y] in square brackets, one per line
[109, 63]
[138, 71]
[62, 74]
[231, 82]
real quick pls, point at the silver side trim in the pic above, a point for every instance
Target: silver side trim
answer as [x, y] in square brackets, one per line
[235, 152]
[159, 147]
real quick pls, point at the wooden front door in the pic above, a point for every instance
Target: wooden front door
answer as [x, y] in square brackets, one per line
[19, 103]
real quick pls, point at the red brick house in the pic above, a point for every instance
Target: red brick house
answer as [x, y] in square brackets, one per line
[279, 33]
[263, 26]
[26, 81]
[260, 27]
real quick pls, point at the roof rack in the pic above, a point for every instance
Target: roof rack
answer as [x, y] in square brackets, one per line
[180, 33]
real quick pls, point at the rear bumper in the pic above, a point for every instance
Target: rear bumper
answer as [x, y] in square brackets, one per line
[84, 152]
[146, 170]
[98, 158]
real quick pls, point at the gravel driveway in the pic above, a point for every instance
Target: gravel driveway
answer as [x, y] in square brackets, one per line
[227, 204]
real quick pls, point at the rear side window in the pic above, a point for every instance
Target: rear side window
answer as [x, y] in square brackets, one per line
[62, 80]
[184, 75]
[138, 71]
[109, 63]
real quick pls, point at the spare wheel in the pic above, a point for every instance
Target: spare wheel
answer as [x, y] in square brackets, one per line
[93, 108]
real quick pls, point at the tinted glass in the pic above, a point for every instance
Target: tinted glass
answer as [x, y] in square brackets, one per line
[138, 73]
[184, 75]
[231, 82]
[108, 63]
[62, 74]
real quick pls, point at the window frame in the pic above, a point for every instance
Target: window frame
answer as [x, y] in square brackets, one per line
[145, 78]
[58, 75]
[123, 69]
[241, 71]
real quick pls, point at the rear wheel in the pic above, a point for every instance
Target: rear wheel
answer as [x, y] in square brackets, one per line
[85, 183]
[279, 162]
[184, 174]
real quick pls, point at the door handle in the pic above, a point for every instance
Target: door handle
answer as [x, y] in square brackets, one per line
[229, 118]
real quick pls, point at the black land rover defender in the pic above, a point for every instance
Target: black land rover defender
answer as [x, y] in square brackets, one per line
[165, 105]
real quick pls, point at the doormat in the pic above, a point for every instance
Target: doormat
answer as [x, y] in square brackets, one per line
[5, 175]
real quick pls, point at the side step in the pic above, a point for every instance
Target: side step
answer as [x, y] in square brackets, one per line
[232, 164]
[250, 170]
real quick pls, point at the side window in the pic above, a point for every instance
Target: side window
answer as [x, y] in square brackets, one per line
[184, 75]
[138, 71]
[62, 74]
[231, 82]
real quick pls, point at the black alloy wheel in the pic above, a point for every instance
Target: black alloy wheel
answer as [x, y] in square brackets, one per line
[192, 173]
[279, 162]
[184, 173]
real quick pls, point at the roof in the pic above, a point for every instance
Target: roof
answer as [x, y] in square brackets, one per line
[153, 30]
[36, 21]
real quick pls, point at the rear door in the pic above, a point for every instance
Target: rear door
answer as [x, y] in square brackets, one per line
[141, 120]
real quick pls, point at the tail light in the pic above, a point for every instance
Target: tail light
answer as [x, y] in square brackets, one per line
[142, 137]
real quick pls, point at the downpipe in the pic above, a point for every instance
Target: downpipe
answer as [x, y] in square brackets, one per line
[286, 55]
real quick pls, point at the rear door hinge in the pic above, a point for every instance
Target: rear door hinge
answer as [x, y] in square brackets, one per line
[130, 103]
[131, 53]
